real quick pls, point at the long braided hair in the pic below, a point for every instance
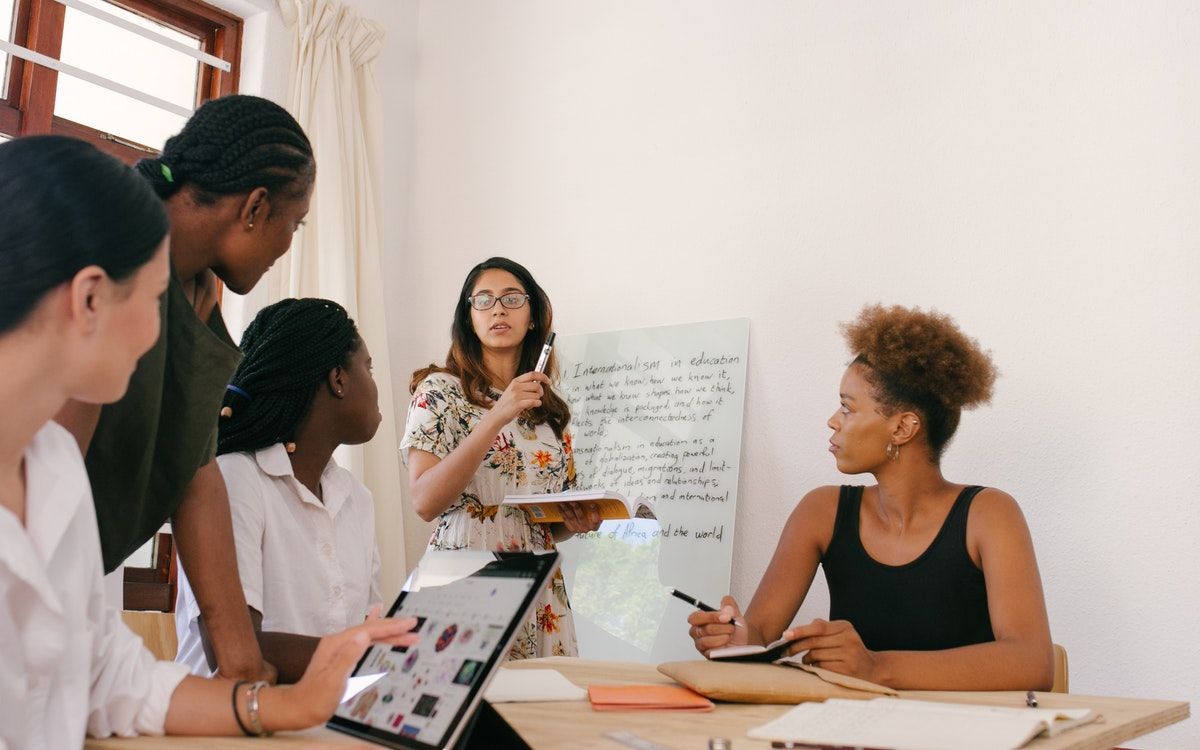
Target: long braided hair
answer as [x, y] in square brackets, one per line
[232, 145]
[290, 347]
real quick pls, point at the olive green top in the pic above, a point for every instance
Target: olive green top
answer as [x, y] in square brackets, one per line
[149, 444]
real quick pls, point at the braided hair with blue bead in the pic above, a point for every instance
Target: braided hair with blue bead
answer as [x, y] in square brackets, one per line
[290, 348]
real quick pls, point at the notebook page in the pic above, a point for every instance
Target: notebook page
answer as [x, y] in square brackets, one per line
[1056, 720]
[887, 724]
[532, 685]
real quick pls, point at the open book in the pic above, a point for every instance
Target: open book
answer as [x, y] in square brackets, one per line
[776, 650]
[613, 505]
[899, 724]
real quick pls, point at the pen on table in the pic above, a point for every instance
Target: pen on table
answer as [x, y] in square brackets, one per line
[1030, 699]
[703, 607]
[810, 746]
[544, 357]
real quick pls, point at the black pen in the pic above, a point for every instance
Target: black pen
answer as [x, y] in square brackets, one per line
[702, 606]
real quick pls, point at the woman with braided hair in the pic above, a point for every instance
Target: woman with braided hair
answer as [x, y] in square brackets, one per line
[236, 184]
[933, 585]
[83, 264]
[303, 527]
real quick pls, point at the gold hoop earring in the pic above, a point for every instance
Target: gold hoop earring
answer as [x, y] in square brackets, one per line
[892, 451]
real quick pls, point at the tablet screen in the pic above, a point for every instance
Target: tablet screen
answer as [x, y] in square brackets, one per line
[466, 627]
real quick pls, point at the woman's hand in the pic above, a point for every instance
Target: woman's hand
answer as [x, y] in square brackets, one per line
[580, 518]
[835, 646]
[316, 696]
[522, 394]
[712, 630]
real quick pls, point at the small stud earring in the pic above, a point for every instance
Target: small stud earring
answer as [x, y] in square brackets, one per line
[226, 412]
[250, 225]
[339, 394]
[531, 326]
[291, 447]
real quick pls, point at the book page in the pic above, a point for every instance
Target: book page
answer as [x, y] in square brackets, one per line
[769, 652]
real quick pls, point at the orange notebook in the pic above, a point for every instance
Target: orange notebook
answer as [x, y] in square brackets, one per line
[646, 698]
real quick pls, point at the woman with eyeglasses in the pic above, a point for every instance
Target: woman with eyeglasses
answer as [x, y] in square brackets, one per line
[485, 425]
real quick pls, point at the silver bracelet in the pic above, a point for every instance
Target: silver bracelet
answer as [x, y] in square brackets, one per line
[252, 709]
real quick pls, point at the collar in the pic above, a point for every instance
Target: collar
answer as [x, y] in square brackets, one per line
[335, 485]
[56, 487]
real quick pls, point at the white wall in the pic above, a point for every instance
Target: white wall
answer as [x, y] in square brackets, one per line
[1031, 168]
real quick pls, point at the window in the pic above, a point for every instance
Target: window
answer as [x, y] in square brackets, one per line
[6, 29]
[99, 38]
[158, 82]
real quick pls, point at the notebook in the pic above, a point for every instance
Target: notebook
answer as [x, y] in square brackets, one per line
[898, 724]
[646, 698]
[613, 506]
[532, 686]
[770, 652]
[430, 692]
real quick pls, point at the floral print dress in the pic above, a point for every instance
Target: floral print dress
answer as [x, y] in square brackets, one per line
[524, 459]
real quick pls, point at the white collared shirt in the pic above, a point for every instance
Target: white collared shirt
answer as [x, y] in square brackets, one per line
[67, 662]
[310, 567]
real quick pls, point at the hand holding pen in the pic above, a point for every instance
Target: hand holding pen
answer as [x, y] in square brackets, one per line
[716, 628]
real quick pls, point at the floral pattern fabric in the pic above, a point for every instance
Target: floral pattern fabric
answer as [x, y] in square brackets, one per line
[524, 459]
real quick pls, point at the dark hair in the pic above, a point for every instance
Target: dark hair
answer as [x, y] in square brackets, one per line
[465, 358]
[232, 145]
[64, 206]
[921, 360]
[290, 347]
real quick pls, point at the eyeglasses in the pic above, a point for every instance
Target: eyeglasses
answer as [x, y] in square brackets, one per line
[485, 301]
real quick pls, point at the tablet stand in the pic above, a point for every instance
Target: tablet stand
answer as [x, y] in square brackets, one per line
[487, 730]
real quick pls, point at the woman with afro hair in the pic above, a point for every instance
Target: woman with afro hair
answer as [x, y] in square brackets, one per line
[933, 585]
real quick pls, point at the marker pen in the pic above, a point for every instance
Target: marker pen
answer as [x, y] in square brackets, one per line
[544, 357]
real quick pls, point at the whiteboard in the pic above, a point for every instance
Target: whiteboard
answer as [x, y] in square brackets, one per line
[656, 413]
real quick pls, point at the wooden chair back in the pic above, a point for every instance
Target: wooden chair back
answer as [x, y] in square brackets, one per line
[1061, 681]
[157, 631]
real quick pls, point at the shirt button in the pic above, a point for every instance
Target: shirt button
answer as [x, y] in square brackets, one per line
[327, 550]
[337, 591]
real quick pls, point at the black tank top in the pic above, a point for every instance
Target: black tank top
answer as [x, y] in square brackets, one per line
[935, 602]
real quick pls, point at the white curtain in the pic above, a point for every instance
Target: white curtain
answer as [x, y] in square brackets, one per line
[337, 254]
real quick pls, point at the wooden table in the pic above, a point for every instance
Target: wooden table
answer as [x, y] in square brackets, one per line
[575, 725]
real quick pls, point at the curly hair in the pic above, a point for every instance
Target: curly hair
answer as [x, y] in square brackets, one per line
[922, 361]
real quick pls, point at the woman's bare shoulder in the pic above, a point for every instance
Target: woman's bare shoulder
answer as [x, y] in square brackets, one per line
[814, 515]
[996, 506]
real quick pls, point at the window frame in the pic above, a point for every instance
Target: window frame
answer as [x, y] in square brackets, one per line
[28, 107]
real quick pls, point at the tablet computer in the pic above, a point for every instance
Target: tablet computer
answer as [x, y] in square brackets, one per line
[429, 692]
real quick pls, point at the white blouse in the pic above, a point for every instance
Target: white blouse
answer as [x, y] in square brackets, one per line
[67, 662]
[310, 567]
